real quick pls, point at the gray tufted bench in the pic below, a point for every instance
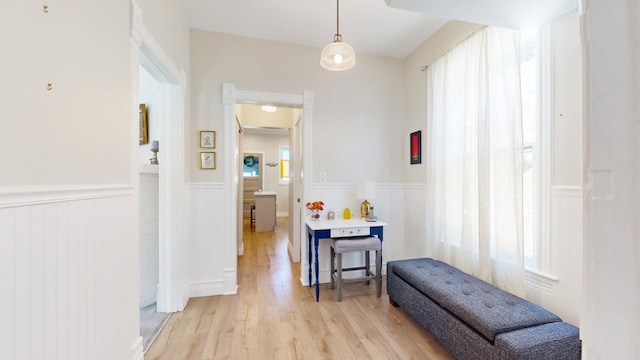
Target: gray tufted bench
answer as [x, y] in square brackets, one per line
[474, 319]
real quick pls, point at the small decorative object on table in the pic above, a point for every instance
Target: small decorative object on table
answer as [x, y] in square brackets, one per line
[315, 207]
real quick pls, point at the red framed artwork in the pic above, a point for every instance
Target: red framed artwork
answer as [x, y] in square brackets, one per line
[415, 152]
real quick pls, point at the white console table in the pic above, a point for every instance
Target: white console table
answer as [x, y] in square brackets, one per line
[326, 229]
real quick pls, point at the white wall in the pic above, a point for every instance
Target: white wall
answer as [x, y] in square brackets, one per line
[68, 230]
[165, 19]
[356, 133]
[610, 328]
[57, 137]
[366, 101]
[68, 205]
[269, 144]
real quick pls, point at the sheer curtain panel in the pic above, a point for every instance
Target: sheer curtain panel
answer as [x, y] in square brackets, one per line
[474, 159]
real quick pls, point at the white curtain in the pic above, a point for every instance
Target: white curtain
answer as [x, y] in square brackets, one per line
[474, 159]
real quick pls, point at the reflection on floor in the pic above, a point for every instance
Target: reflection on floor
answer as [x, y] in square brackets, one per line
[151, 322]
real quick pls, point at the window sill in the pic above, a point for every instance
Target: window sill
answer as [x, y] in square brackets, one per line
[540, 281]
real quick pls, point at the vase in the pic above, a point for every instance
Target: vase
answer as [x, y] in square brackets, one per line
[315, 214]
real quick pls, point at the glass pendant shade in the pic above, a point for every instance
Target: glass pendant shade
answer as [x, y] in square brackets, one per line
[337, 56]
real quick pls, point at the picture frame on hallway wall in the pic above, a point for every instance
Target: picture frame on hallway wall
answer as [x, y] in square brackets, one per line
[415, 149]
[144, 126]
[208, 160]
[208, 139]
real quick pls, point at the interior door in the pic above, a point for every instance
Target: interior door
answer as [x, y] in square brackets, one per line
[295, 192]
[252, 179]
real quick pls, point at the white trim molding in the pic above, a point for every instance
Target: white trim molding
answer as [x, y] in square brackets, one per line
[204, 186]
[543, 283]
[28, 196]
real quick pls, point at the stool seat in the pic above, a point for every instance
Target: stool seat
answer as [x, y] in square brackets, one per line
[355, 244]
[370, 243]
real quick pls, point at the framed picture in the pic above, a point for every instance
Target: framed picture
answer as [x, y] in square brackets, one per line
[415, 152]
[208, 139]
[144, 128]
[208, 160]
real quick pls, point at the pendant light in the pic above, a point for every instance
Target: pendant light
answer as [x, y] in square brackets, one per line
[337, 56]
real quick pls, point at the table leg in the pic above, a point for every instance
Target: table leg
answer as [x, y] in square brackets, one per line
[315, 245]
[309, 253]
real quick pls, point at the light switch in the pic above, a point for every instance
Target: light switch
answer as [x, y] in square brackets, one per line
[323, 176]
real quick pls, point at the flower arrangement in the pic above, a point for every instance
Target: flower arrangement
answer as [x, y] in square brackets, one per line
[315, 207]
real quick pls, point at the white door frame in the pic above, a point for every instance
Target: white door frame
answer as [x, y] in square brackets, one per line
[146, 52]
[231, 97]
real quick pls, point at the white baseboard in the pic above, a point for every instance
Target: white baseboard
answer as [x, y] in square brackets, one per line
[137, 352]
[206, 288]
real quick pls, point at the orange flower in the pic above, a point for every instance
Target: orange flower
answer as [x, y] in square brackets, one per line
[316, 205]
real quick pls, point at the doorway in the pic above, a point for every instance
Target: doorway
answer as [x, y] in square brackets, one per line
[169, 117]
[232, 97]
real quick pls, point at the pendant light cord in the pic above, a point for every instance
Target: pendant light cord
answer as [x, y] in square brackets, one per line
[337, 17]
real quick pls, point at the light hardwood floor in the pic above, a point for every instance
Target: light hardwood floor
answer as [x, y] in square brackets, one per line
[274, 317]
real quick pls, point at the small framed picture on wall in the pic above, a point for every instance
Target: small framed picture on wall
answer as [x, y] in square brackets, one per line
[415, 152]
[208, 139]
[144, 126]
[208, 160]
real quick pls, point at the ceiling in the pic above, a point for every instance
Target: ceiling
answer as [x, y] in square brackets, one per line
[391, 28]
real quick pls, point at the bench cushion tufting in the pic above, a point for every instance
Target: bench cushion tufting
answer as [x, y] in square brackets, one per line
[482, 306]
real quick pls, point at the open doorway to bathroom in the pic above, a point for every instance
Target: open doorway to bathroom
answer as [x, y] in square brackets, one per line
[150, 164]
[168, 87]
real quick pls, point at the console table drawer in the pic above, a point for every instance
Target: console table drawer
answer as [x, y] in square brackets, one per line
[346, 232]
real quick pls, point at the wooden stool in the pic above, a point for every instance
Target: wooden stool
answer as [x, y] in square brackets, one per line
[252, 217]
[340, 246]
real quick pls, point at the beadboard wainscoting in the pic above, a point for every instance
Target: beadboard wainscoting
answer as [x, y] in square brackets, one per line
[149, 238]
[69, 273]
[206, 242]
[388, 207]
[415, 220]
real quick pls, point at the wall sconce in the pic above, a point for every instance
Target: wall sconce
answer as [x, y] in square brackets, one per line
[155, 147]
[272, 164]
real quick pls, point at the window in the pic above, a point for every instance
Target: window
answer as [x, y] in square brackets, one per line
[284, 165]
[534, 65]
